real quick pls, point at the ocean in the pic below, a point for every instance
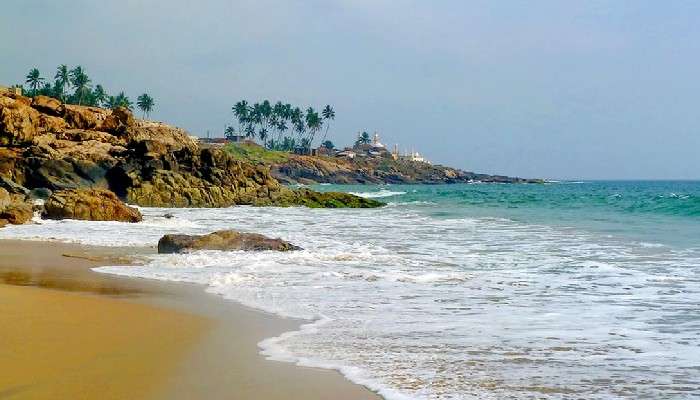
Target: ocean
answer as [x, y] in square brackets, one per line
[564, 290]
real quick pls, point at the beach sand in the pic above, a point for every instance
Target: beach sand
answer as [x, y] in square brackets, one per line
[69, 332]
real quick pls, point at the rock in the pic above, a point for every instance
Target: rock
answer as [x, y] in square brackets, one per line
[83, 117]
[12, 187]
[119, 121]
[14, 209]
[50, 124]
[90, 205]
[18, 122]
[47, 105]
[222, 240]
[313, 199]
[40, 193]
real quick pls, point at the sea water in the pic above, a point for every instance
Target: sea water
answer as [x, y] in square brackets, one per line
[566, 290]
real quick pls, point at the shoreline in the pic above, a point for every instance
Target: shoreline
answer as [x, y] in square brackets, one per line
[214, 351]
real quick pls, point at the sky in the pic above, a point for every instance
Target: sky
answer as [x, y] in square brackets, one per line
[551, 89]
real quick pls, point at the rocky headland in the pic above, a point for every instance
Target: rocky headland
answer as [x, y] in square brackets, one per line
[302, 169]
[48, 148]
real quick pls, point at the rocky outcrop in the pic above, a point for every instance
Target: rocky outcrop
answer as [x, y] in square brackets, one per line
[55, 147]
[377, 170]
[313, 199]
[90, 205]
[222, 240]
[14, 208]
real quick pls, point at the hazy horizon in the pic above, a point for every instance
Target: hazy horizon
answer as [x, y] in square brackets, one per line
[561, 90]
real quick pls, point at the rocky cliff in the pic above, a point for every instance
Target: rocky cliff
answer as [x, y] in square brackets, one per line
[47, 146]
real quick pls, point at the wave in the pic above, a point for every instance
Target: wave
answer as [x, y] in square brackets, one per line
[379, 194]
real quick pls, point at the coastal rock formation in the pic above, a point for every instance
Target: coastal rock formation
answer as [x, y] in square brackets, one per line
[52, 146]
[313, 199]
[222, 240]
[90, 205]
[310, 170]
[14, 208]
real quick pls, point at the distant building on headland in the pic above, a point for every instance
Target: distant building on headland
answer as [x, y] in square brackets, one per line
[415, 157]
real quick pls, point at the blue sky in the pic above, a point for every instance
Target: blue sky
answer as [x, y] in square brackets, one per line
[555, 89]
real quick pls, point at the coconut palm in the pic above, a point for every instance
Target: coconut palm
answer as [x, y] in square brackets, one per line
[120, 100]
[80, 81]
[145, 104]
[241, 111]
[328, 114]
[34, 80]
[363, 138]
[229, 132]
[314, 123]
[99, 95]
[62, 79]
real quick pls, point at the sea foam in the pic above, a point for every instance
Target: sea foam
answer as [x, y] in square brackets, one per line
[417, 305]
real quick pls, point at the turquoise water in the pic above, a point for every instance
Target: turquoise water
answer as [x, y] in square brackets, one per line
[460, 292]
[666, 212]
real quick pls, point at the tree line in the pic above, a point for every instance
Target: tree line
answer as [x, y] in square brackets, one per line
[281, 126]
[74, 86]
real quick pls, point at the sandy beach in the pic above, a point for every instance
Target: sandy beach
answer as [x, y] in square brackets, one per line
[69, 332]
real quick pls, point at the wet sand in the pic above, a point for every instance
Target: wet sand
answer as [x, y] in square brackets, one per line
[74, 333]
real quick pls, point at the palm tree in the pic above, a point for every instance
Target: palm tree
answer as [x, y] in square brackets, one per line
[229, 132]
[328, 114]
[314, 123]
[80, 81]
[99, 95]
[241, 111]
[34, 80]
[120, 100]
[62, 79]
[363, 138]
[145, 104]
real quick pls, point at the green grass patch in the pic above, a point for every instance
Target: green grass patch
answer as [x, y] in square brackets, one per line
[256, 154]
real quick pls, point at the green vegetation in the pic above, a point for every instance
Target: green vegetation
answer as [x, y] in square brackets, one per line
[256, 154]
[363, 139]
[74, 86]
[270, 123]
[145, 104]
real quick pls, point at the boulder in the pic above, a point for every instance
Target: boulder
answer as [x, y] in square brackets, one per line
[18, 122]
[14, 209]
[90, 205]
[222, 240]
[119, 121]
[47, 105]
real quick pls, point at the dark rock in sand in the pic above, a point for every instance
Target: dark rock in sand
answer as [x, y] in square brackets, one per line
[90, 205]
[222, 240]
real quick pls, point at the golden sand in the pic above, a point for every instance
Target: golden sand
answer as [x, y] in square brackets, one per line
[67, 332]
[66, 345]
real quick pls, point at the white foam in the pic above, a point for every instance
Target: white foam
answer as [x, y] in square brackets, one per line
[420, 307]
[378, 194]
